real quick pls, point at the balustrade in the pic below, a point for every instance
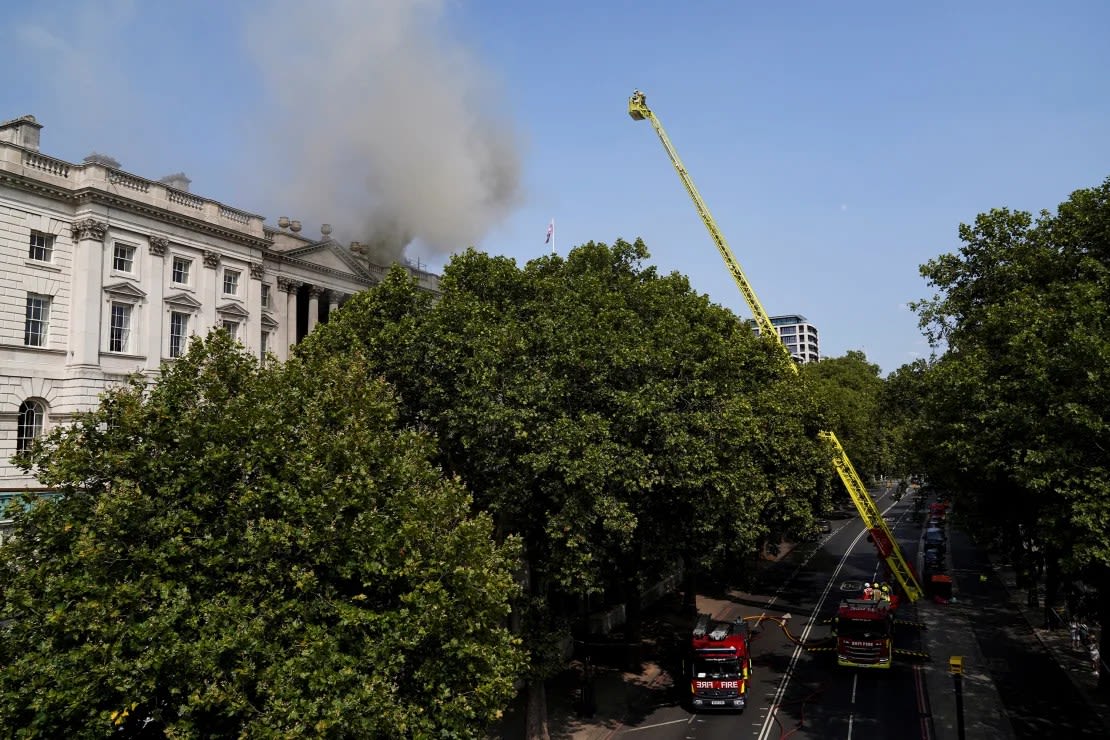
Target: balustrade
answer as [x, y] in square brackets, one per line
[182, 198]
[116, 177]
[46, 164]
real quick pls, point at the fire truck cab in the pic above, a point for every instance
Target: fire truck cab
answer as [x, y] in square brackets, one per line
[864, 631]
[718, 665]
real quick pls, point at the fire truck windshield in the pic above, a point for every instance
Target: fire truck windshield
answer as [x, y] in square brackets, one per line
[862, 629]
[716, 668]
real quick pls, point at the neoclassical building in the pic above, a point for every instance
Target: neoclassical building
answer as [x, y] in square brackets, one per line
[106, 274]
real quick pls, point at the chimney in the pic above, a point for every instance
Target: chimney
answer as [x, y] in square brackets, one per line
[23, 131]
[177, 181]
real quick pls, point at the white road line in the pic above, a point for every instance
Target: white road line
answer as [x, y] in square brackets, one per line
[852, 714]
[765, 731]
[630, 730]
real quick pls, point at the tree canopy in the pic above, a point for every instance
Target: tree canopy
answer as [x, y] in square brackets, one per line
[1015, 414]
[849, 390]
[611, 417]
[251, 551]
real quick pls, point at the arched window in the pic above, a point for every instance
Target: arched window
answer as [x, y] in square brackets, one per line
[31, 416]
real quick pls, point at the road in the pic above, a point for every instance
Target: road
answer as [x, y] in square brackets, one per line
[801, 693]
[1014, 688]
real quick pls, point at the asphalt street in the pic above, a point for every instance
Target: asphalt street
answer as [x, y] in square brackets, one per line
[1012, 686]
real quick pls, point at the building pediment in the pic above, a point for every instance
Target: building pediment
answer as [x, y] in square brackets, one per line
[331, 255]
[233, 310]
[183, 300]
[125, 290]
[268, 321]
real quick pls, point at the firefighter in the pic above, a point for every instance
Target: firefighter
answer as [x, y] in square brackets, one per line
[868, 592]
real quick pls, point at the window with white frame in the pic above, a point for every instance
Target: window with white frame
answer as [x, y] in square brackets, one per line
[231, 282]
[179, 332]
[37, 321]
[264, 343]
[41, 247]
[119, 327]
[265, 295]
[32, 414]
[123, 258]
[231, 327]
[180, 271]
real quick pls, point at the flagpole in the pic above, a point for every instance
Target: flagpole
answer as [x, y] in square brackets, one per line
[553, 236]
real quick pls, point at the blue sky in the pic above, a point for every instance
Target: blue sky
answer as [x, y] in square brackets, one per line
[839, 146]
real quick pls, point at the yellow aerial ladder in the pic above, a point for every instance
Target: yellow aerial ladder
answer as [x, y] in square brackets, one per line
[868, 511]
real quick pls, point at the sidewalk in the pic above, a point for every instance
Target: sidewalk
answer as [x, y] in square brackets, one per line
[620, 698]
[595, 700]
[1076, 662]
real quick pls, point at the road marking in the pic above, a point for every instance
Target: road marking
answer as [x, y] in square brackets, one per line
[852, 714]
[630, 730]
[765, 731]
[922, 711]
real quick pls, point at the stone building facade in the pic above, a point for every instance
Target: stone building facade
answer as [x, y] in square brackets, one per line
[105, 274]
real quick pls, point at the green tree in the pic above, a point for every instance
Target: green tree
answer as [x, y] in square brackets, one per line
[1017, 403]
[242, 551]
[849, 390]
[901, 411]
[609, 416]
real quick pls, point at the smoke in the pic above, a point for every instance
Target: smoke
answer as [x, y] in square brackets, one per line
[388, 129]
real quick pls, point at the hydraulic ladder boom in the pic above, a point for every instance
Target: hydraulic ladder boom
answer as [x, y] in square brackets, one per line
[637, 108]
[868, 511]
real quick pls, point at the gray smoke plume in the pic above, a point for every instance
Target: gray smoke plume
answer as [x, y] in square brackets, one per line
[389, 129]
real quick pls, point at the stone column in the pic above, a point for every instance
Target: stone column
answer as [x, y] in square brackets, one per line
[86, 306]
[157, 321]
[253, 326]
[208, 289]
[333, 303]
[288, 331]
[314, 292]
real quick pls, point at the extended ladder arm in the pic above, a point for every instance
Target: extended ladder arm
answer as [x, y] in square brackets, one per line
[637, 108]
[872, 519]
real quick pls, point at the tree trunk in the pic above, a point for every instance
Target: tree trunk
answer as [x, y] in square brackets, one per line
[1051, 590]
[689, 589]
[634, 631]
[536, 716]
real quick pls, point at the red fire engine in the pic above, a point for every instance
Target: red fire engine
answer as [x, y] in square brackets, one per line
[864, 630]
[719, 664]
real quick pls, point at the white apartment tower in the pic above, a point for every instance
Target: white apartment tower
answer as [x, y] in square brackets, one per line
[799, 336]
[106, 274]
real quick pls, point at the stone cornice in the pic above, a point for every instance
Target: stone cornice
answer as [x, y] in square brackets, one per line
[126, 290]
[232, 309]
[93, 195]
[310, 267]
